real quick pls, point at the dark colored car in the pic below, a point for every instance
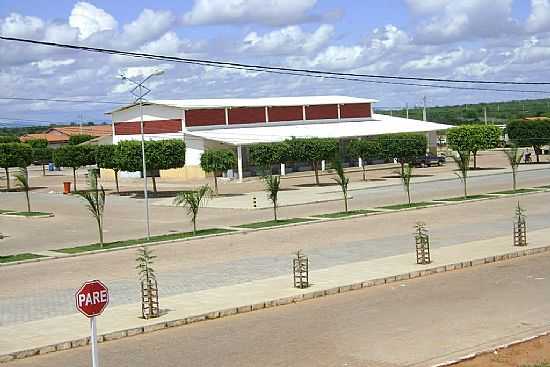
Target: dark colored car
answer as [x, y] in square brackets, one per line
[428, 160]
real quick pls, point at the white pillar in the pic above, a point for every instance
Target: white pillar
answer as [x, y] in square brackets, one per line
[240, 162]
[283, 169]
[323, 165]
[360, 162]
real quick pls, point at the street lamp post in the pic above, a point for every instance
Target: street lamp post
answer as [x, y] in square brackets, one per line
[140, 91]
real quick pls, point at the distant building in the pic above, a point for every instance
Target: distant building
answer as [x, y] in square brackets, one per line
[238, 123]
[57, 136]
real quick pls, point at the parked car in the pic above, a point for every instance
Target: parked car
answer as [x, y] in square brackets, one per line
[428, 160]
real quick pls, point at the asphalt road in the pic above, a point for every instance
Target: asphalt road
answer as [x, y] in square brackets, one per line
[419, 322]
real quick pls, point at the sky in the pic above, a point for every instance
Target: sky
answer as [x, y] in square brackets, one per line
[466, 39]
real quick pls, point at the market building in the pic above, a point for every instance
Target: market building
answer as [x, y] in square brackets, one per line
[238, 123]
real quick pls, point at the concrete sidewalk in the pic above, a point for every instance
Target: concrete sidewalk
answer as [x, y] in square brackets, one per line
[64, 332]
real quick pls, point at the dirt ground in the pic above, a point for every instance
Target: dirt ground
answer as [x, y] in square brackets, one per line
[533, 353]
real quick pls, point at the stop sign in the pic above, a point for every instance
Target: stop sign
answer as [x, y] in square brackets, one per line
[92, 298]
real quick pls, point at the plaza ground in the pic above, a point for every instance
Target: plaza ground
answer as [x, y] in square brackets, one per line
[124, 216]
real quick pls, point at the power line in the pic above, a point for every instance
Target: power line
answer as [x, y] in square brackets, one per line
[295, 71]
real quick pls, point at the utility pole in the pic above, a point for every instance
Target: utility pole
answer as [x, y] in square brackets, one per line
[407, 111]
[485, 114]
[81, 120]
[424, 117]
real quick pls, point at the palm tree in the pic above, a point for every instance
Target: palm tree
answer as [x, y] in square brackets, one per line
[406, 174]
[462, 160]
[342, 180]
[22, 181]
[193, 201]
[272, 187]
[514, 155]
[95, 202]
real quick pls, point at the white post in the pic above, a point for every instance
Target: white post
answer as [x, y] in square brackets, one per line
[283, 169]
[485, 114]
[240, 162]
[93, 341]
[323, 165]
[360, 162]
[424, 117]
[407, 111]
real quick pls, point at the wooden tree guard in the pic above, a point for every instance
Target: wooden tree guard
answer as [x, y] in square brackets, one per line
[149, 299]
[520, 233]
[422, 239]
[520, 227]
[300, 265]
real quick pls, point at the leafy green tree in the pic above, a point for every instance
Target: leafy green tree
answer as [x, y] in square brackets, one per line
[95, 202]
[74, 156]
[216, 161]
[403, 146]
[266, 155]
[462, 159]
[406, 175]
[312, 150]
[342, 181]
[272, 187]
[474, 138]
[8, 139]
[193, 201]
[14, 155]
[514, 155]
[527, 133]
[107, 156]
[22, 181]
[365, 149]
[78, 139]
[41, 154]
[159, 155]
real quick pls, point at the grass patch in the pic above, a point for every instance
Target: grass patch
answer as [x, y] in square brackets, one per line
[140, 241]
[421, 204]
[461, 198]
[344, 214]
[29, 214]
[273, 223]
[4, 211]
[18, 257]
[511, 192]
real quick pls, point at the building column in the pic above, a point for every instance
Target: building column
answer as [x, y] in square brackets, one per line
[283, 169]
[432, 142]
[240, 162]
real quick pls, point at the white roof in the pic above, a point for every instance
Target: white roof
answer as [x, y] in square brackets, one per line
[379, 124]
[253, 102]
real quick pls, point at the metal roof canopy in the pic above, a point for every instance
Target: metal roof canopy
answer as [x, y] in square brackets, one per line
[251, 102]
[379, 124]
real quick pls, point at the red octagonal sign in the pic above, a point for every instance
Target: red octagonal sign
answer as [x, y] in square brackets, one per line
[92, 298]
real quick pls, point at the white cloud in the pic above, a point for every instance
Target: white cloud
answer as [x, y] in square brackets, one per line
[48, 64]
[464, 20]
[332, 58]
[149, 25]
[539, 19]
[17, 25]
[89, 19]
[437, 61]
[270, 12]
[388, 38]
[288, 40]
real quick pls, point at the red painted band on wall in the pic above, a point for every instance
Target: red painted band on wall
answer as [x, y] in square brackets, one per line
[149, 127]
[355, 110]
[246, 115]
[321, 112]
[205, 117]
[286, 113]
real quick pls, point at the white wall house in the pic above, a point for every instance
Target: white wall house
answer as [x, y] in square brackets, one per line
[238, 123]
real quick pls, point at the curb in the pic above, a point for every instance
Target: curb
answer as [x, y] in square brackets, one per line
[79, 342]
[11, 215]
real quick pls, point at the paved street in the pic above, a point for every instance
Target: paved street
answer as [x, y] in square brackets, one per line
[124, 216]
[393, 325]
[25, 292]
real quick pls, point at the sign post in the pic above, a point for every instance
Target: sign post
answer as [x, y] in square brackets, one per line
[91, 299]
